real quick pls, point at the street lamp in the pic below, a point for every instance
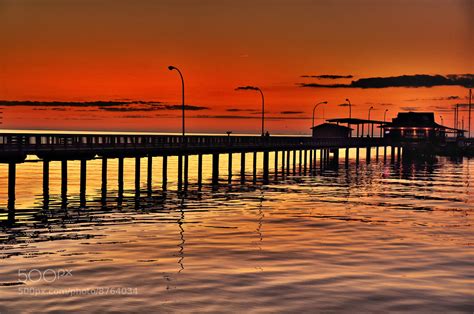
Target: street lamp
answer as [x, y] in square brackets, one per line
[314, 108]
[350, 108]
[350, 116]
[442, 121]
[371, 108]
[384, 118]
[263, 103]
[368, 125]
[171, 68]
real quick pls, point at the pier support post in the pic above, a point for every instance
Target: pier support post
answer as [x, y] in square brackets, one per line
[357, 155]
[377, 153]
[186, 171]
[392, 154]
[315, 160]
[282, 163]
[120, 177]
[266, 158]
[83, 180]
[64, 181]
[385, 154]
[149, 173]
[311, 152]
[367, 154]
[180, 172]
[165, 173]
[305, 165]
[254, 167]
[11, 190]
[199, 178]
[322, 155]
[346, 158]
[276, 165]
[288, 162]
[45, 182]
[399, 153]
[300, 153]
[242, 168]
[294, 162]
[137, 177]
[336, 157]
[229, 166]
[215, 169]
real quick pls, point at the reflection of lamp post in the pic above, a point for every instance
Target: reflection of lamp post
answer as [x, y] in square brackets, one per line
[171, 68]
[263, 103]
[314, 109]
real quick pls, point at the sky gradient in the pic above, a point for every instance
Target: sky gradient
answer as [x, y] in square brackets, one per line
[118, 51]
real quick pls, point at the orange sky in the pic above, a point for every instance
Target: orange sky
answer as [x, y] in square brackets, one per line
[83, 50]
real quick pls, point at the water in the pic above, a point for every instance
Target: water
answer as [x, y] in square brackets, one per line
[376, 237]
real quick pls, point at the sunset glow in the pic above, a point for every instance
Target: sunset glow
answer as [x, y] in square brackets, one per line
[119, 51]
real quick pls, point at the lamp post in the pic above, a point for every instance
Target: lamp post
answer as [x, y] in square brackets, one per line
[171, 68]
[314, 109]
[384, 118]
[263, 103]
[470, 97]
[350, 116]
[350, 108]
[442, 121]
[368, 130]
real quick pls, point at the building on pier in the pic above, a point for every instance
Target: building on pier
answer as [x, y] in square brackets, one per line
[418, 126]
[331, 130]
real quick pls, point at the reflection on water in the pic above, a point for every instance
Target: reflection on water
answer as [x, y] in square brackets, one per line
[373, 237]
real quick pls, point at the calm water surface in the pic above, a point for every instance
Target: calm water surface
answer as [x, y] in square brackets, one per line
[373, 237]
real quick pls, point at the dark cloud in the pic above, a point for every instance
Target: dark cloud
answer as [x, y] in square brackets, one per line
[383, 104]
[291, 112]
[11, 103]
[113, 106]
[247, 88]
[328, 76]
[246, 117]
[436, 98]
[240, 110]
[186, 107]
[415, 81]
[408, 108]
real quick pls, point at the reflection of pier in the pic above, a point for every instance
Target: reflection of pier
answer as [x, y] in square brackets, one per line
[14, 148]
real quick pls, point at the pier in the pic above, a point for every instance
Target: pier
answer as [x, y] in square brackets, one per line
[15, 148]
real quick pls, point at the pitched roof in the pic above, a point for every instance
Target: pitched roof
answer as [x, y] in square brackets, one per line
[331, 125]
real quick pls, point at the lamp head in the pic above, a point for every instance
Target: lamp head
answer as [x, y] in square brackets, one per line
[324, 102]
[171, 68]
[347, 99]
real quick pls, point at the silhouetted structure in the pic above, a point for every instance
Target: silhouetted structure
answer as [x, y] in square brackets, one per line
[331, 130]
[418, 127]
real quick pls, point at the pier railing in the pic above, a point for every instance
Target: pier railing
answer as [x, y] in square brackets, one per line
[31, 143]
